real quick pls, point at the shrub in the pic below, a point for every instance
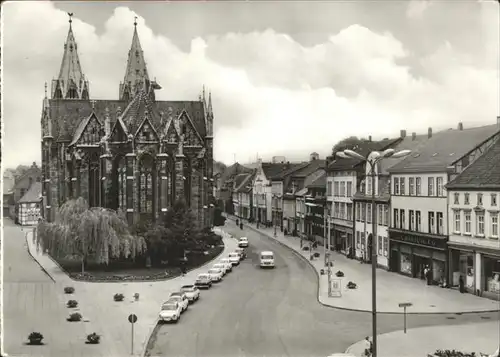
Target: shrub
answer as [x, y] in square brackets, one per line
[306, 248]
[136, 296]
[316, 254]
[118, 297]
[339, 274]
[351, 285]
[93, 338]
[35, 338]
[69, 290]
[452, 353]
[74, 317]
[72, 304]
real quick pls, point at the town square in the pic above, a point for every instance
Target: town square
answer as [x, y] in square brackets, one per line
[238, 179]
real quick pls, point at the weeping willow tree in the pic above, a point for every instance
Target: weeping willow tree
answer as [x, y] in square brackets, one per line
[83, 231]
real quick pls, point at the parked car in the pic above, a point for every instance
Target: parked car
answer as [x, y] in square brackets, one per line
[192, 292]
[170, 312]
[227, 262]
[243, 242]
[234, 258]
[203, 281]
[241, 252]
[215, 275]
[179, 298]
[220, 266]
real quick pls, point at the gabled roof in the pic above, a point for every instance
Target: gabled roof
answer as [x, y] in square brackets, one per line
[291, 170]
[245, 185]
[444, 148]
[310, 167]
[34, 194]
[232, 171]
[482, 173]
[81, 127]
[407, 143]
[364, 148]
[320, 182]
[271, 170]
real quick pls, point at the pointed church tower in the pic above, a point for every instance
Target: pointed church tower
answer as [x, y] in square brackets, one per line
[71, 83]
[136, 73]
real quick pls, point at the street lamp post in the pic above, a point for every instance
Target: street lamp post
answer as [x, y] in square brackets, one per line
[275, 198]
[372, 159]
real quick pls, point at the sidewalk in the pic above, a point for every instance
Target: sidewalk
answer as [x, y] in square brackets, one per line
[392, 288]
[110, 317]
[419, 342]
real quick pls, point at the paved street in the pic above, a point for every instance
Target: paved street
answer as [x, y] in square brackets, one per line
[425, 299]
[256, 312]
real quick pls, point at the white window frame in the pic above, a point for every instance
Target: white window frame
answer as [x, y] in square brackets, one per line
[468, 222]
[402, 188]
[456, 198]
[457, 222]
[479, 199]
[466, 199]
[439, 186]
[349, 189]
[480, 226]
[396, 186]
[430, 186]
[494, 225]
[418, 186]
[411, 186]
[493, 199]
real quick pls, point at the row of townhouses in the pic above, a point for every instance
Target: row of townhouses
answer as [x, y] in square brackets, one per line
[437, 207]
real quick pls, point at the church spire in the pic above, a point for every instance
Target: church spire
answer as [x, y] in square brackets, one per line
[136, 73]
[71, 83]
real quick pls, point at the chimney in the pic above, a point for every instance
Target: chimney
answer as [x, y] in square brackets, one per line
[413, 136]
[429, 133]
[460, 126]
[403, 134]
[370, 138]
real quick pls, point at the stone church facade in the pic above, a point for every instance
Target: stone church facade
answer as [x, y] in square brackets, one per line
[135, 154]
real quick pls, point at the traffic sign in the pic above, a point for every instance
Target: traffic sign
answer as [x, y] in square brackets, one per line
[132, 318]
[405, 304]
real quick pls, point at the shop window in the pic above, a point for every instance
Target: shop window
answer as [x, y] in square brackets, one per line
[418, 186]
[467, 218]
[494, 225]
[405, 264]
[480, 224]
[457, 220]
[492, 274]
[466, 199]
[456, 199]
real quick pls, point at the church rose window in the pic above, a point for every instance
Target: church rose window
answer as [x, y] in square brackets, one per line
[146, 184]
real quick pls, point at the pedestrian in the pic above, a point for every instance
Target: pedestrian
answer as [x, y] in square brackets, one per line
[461, 284]
[428, 276]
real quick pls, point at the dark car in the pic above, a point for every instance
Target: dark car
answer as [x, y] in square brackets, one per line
[241, 251]
[203, 281]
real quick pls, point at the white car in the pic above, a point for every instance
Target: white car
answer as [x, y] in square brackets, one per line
[267, 259]
[234, 258]
[192, 292]
[215, 275]
[221, 266]
[227, 263]
[243, 242]
[179, 298]
[170, 312]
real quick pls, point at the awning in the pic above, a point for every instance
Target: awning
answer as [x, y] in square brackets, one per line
[313, 204]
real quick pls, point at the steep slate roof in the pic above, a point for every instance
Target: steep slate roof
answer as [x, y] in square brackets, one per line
[34, 194]
[482, 173]
[271, 170]
[310, 168]
[407, 143]
[292, 170]
[443, 149]
[363, 149]
[320, 182]
[246, 184]
[233, 170]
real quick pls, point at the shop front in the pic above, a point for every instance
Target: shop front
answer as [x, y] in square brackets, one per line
[479, 267]
[342, 239]
[412, 252]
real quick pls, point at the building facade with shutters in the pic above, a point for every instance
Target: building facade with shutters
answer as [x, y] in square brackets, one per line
[419, 201]
[134, 154]
[474, 215]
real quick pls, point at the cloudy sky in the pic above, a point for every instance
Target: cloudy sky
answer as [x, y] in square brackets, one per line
[287, 78]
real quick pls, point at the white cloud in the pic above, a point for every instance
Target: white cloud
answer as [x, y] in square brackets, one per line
[416, 8]
[271, 95]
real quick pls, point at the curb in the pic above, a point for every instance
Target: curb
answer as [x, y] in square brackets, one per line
[32, 257]
[156, 325]
[360, 310]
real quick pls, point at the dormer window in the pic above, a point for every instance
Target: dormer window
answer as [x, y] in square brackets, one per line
[479, 199]
[466, 199]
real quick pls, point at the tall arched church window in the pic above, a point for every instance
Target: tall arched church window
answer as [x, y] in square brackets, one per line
[121, 183]
[146, 169]
[188, 181]
[94, 182]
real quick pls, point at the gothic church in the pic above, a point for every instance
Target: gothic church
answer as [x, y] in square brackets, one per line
[134, 154]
